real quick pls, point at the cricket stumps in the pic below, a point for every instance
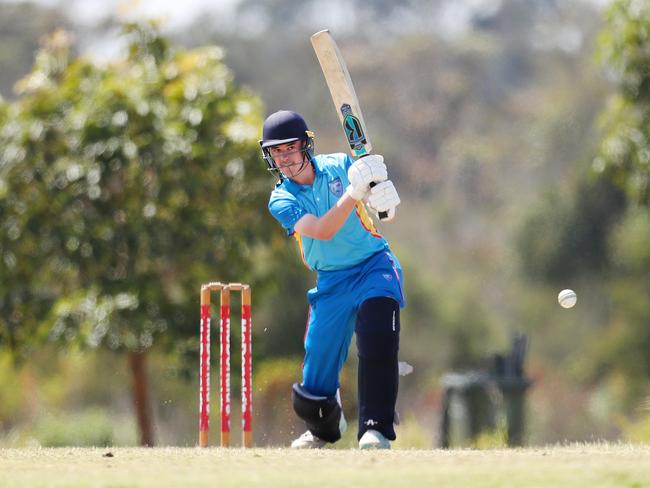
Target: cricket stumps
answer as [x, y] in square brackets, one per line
[224, 290]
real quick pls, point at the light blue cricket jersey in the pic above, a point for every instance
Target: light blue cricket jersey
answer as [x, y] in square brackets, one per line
[356, 240]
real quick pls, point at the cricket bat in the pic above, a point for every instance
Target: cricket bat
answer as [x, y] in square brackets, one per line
[343, 95]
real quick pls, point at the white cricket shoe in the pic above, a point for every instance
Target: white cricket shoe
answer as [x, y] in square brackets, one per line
[372, 439]
[309, 441]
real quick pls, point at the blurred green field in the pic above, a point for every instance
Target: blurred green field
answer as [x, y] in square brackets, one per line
[615, 465]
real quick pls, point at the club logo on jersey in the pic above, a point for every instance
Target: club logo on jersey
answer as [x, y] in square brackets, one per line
[353, 130]
[336, 187]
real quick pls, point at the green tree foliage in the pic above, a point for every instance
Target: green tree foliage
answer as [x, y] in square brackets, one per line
[567, 237]
[623, 348]
[625, 153]
[122, 188]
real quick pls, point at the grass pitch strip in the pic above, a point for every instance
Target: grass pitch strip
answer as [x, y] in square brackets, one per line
[593, 465]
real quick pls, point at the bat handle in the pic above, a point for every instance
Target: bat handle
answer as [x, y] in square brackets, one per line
[382, 215]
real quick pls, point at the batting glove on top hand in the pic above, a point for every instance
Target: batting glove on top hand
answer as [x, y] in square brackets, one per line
[366, 170]
[383, 197]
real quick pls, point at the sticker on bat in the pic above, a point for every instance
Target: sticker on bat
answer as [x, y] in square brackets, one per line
[353, 130]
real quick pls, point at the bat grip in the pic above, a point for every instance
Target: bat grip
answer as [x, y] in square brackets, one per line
[382, 215]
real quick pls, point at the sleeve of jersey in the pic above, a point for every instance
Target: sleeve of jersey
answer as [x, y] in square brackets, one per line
[347, 162]
[286, 210]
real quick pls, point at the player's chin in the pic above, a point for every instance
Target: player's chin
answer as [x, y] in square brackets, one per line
[293, 170]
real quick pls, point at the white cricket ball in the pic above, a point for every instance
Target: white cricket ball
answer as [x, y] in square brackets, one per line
[567, 298]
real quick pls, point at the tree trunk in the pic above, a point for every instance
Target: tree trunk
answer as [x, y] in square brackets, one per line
[141, 399]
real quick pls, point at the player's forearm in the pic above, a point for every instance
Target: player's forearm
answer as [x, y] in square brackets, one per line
[325, 227]
[334, 219]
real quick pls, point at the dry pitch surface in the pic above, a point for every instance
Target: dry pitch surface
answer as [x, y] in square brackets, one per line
[568, 466]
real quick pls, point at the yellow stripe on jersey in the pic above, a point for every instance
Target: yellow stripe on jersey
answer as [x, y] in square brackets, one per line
[366, 221]
[298, 238]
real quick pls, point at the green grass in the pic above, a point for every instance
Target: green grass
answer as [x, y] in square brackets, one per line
[614, 465]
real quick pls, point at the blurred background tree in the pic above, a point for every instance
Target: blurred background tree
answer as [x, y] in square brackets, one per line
[126, 187]
[624, 158]
[625, 152]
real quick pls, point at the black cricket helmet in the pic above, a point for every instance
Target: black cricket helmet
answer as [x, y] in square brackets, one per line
[282, 127]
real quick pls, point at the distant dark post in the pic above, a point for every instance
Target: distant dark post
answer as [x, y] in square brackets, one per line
[513, 385]
[471, 400]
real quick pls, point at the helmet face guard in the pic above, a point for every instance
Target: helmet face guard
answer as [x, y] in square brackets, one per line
[307, 151]
[283, 127]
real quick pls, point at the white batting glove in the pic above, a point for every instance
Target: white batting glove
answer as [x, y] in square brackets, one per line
[383, 197]
[364, 171]
[390, 215]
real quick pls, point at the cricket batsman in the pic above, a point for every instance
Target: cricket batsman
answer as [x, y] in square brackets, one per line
[321, 201]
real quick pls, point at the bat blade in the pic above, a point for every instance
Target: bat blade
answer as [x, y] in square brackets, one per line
[343, 95]
[342, 92]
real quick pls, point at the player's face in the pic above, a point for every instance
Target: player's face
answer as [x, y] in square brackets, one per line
[288, 157]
